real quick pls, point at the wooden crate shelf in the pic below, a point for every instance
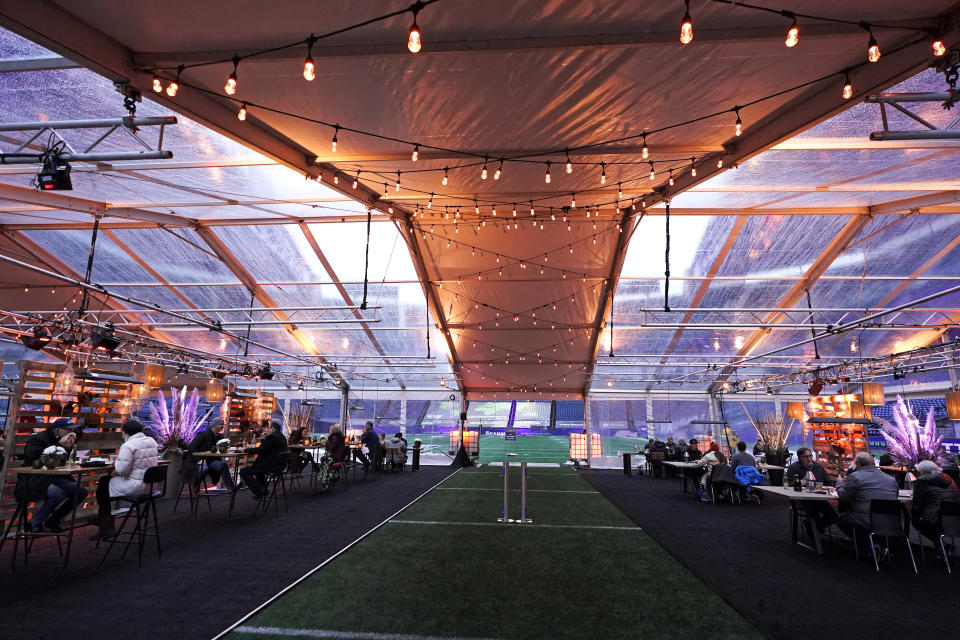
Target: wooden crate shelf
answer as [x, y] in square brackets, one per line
[34, 405]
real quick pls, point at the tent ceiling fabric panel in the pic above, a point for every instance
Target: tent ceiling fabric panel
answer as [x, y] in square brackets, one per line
[514, 304]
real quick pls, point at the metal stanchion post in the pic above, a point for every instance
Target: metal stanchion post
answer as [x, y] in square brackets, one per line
[506, 492]
[524, 516]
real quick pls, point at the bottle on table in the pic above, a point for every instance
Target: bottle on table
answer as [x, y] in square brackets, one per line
[797, 483]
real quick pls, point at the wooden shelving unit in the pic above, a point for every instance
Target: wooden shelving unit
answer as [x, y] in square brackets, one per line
[839, 434]
[33, 406]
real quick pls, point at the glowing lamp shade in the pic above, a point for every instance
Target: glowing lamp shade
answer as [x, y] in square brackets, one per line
[953, 405]
[471, 442]
[857, 410]
[795, 410]
[215, 391]
[873, 395]
[153, 375]
[578, 446]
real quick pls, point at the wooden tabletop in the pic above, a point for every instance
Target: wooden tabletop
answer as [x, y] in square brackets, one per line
[60, 471]
[886, 468]
[228, 454]
[769, 466]
[682, 465]
[790, 493]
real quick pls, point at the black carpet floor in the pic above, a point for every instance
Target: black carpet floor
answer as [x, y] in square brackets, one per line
[213, 570]
[744, 553]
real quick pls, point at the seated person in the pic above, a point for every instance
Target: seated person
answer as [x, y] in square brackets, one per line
[931, 488]
[711, 458]
[823, 513]
[267, 461]
[59, 494]
[670, 448]
[756, 449]
[137, 454]
[861, 485]
[336, 445]
[694, 453]
[303, 457]
[371, 440]
[204, 442]
[682, 448]
[804, 464]
[398, 444]
[741, 457]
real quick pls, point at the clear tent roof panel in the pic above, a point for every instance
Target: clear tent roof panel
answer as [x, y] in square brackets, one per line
[344, 245]
[273, 253]
[244, 182]
[694, 243]
[752, 294]
[175, 254]
[820, 167]
[55, 217]
[111, 263]
[862, 119]
[888, 246]
[724, 200]
[836, 199]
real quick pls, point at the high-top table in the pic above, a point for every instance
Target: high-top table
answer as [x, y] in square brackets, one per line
[21, 520]
[204, 457]
[684, 467]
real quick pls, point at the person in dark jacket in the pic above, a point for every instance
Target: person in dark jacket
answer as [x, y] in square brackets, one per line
[931, 488]
[741, 457]
[804, 464]
[336, 444]
[821, 512]
[694, 453]
[371, 440]
[267, 461]
[59, 494]
[204, 442]
[868, 483]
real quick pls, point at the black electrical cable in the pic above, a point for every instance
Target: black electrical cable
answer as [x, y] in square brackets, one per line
[366, 263]
[666, 272]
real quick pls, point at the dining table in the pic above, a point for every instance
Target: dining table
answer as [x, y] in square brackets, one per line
[20, 520]
[205, 458]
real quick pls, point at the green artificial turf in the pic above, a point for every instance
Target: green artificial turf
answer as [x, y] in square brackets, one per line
[489, 580]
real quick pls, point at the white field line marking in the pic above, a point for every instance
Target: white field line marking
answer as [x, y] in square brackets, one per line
[326, 562]
[532, 526]
[501, 490]
[323, 633]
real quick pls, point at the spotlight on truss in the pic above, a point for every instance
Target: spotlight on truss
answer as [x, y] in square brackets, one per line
[265, 372]
[39, 339]
[103, 339]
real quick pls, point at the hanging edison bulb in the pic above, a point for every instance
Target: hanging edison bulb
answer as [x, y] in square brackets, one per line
[686, 27]
[671, 177]
[847, 88]
[738, 125]
[173, 87]
[653, 173]
[573, 201]
[231, 85]
[546, 176]
[939, 49]
[356, 180]
[416, 153]
[569, 167]
[446, 178]
[242, 114]
[793, 34]
[157, 85]
[309, 68]
[693, 167]
[603, 173]
[873, 49]
[496, 174]
[414, 44]
[483, 171]
[333, 141]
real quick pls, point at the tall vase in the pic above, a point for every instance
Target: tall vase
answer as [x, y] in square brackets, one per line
[175, 457]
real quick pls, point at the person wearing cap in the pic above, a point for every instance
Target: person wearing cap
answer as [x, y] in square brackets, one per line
[59, 494]
[205, 441]
[137, 454]
[694, 453]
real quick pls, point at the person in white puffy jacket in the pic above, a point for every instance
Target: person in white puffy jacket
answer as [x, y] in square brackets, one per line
[137, 454]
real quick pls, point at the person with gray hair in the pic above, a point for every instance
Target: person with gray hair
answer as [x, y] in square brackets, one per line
[863, 483]
[932, 488]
